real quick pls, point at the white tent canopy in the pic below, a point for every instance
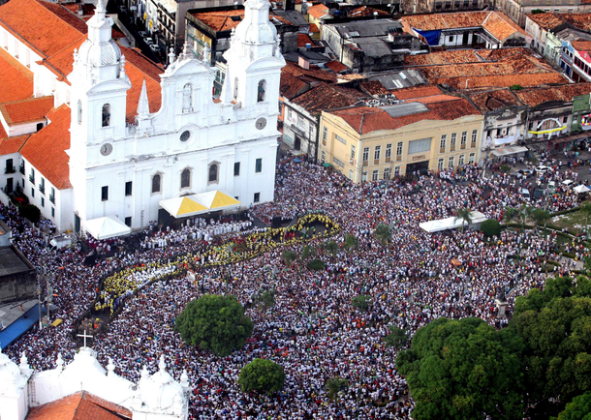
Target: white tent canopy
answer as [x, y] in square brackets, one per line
[193, 205]
[106, 227]
[509, 150]
[452, 223]
[580, 189]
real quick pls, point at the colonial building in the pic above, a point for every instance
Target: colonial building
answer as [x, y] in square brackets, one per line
[121, 137]
[426, 133]
[517, 10]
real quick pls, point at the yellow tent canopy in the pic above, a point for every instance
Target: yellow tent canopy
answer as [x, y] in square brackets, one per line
[192, 205]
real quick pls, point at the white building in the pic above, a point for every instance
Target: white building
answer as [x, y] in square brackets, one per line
[34, 395]
[121, 137]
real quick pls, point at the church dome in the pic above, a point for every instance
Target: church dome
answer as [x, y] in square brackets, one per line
[10, 374]
[102, 54]
[160, 391]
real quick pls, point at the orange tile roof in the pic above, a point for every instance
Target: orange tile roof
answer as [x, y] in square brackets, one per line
[318, 11]
[16, 81]
[79, 406]
[291, 86]
[336, 66]
[581, 45]
[45, 27]
[10, 145]
[365, 120]
[546, 20]
[26, 110]
[313, 28]
[494, 99]
[45, 150]
[304, 39]
[416, 92]
[313, 73]
[221, 20]
[537, 96]
[496, 23]
[442, 57]
[324, 97]
[373, 87]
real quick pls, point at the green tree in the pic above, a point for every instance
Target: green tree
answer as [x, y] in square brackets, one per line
[464, 215]
[334, 386]
[490, 228]
[396, 337]
[505, 169]
[464, 370]
[578, 409]
[262, 375]
[351, 242]
[361, 302]
[383, 233]
[215, 323]
[540, 217]
[331, 247]
[556, 326]
[289, 257]
[316, 265]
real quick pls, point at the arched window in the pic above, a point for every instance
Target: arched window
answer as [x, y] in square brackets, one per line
[79, 112]
[156, 179]
[187, 98]
[235, 88]
[213, 173]
[106, 115]
[186, 178]
[261, 91]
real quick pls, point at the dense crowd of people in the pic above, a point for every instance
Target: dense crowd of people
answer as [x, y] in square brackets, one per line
[312, 330]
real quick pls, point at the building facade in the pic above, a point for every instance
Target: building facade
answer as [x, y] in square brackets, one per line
[369, 144]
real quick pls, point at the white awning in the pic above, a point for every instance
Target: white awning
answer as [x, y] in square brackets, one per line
[451, 222]
[509, 150]
[106, 227]
[580, 189]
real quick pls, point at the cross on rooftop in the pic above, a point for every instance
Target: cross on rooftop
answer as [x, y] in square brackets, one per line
[85, 337]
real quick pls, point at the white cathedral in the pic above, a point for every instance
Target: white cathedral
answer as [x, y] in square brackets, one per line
[118, 138]
[84, 389]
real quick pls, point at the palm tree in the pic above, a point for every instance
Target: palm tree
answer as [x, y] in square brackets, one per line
[334, 386]
[510, 214]
[383, 233]
[351, 242]
[331, 247]
[289, 257]
[465, 215]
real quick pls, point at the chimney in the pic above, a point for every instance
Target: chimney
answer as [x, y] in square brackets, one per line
[303, 63]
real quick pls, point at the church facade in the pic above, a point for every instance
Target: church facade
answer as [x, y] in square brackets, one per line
[132, 135]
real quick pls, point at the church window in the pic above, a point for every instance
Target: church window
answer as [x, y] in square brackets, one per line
[186, 178]
[106, 115]
[235, 88]
[156, 180]
[79, 112]
[187, 98]
[261, 91]
[104, 193]
[258, 166]
[213, 173]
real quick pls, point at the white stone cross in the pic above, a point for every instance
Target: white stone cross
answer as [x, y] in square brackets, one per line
[85, 337]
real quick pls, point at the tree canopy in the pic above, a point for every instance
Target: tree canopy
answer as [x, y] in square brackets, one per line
[215, 323]
[490, 228]
[262, 375]
[578, 409]
[383, 233]
[464, 370]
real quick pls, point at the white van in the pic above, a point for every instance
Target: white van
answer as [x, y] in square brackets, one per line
[525, 193]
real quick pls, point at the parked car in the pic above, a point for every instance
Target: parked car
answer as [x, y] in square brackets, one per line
[542, 169]
[155, 48]
[568, 183]
[143, 34]
[523, 173]
[525, 193]
[538, 194]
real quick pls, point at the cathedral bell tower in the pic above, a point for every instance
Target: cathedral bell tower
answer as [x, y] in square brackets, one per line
[254, 61]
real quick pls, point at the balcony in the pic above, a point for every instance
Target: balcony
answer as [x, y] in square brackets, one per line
[32, 179]
[463, 146]
[42, 189]
[473, 145]
[452, 149]
[398, 158]
[388, 159]
[52, 198]
[9, 170]
[442, 150]
[365, 163]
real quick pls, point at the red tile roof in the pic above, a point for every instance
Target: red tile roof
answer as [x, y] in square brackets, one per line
[496, 23]
[304, 39]
[494, 99]
[581, 45]
[416, 92]
[314, 73]
[537, 96]
[221, 20]
[336, 66]
[318, 11]
[365, 120]
[313, 28]
[16, 81]
[45, 27]
[10, 145]
[291, 86]
[552, 20]
[45, 150]
[26, 110]
[80, 406]
[325, 97]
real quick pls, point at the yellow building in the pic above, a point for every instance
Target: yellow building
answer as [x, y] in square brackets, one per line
[372, 143]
